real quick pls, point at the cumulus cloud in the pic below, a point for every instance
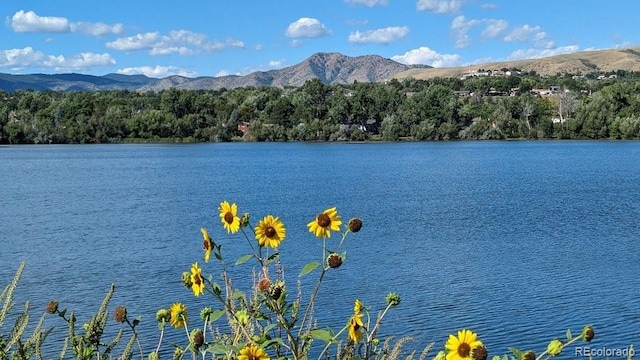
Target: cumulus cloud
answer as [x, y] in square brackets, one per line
[369, 3]
[379, 36]
[306, 28]
[17, 59]
[157, 71]
[532, 34]
[277, 63]
[182, 42]
[440, 6]
[96, 29]
[537, 53]
[31, 22]
[461, 27]
[425, 56]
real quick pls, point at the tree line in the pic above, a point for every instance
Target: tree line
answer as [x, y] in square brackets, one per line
[435, 109]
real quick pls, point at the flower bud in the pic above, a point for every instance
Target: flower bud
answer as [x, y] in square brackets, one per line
[587, 333]
[205, 313]
[52, 307]
[276, 290]
[154, 356]
[178, 353]
[244, 220]
[529, 355]
[555, 347]
[120, 314]
[334, 260]
[242, 317]
[393, 299]
[355, 225]
[163, 315]
[186, 279]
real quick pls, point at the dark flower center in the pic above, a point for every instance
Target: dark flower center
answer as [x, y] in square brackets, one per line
[205, 245]
[463, 350]
[228, 217]
[270, 231]
[197, 280]
[324, 220]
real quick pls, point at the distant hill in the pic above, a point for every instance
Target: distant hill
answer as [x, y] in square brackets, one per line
[330, 68]
[584, 62]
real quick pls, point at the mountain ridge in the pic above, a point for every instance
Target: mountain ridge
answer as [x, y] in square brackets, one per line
[330, 68]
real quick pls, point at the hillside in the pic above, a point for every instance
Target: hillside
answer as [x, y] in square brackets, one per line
[581, 62]
[330, 68]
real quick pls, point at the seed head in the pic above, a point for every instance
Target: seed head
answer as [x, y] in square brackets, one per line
[264, 284]
[355, 225]
[52, 307]
[529, 355]
[334, 260]
[197, 338]
[120, 314]
[555, 347]
[479, 353]
[186, 279]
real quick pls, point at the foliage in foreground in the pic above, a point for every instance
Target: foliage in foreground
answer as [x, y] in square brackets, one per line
[270, 320]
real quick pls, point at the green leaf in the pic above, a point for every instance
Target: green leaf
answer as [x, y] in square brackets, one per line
[273, 257]
[518, 354]
[320, 334]
[271, 342]
[269, 327]
[215, 315]
[568, 334]
[237, 295]
[220, 349]
[244, 259]
[309, 268]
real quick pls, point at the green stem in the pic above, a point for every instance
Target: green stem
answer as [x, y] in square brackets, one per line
[311, 301]
[326, 347]
[563, 346]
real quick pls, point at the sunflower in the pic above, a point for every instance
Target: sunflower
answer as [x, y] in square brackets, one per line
[459, 348]
[270, 231]
[253, 352]
[325, 222]
[207, 244]
[197, 282]
[178, 315]
[355, 328]
[229, 217]
[357, 306]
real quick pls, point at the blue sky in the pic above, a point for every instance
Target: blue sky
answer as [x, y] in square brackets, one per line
[159, 38]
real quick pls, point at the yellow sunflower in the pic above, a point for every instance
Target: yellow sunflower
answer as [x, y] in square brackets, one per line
[355, 328]
[459, 348]
[270, 231]
[325, 222]
[252, 352]
[229, 217]
[357, 306]
[178, 315]
[207, 244]
[197, 282]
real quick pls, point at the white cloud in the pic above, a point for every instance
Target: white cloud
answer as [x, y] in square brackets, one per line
[80, 61]
[440, 6]
[532, 34]
[540, 53]
[277, 63]
[379, 36]
[306, 28]
[489, 6]
[96, 29]
[369, 3]
[222, 73]
[461, 27]
[182, 42]
[157, 71]
[494, 28]
[31, 22]
[17, 59]
[424, 55]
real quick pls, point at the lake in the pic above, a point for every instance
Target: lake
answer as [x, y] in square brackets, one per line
[517, 241]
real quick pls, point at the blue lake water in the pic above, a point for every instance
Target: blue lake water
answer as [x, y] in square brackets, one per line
[517, 241]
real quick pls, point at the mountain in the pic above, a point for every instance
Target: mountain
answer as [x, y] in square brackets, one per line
[585, 62]
[330, 68]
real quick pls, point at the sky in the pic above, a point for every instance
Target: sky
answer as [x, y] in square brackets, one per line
[159, 38]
